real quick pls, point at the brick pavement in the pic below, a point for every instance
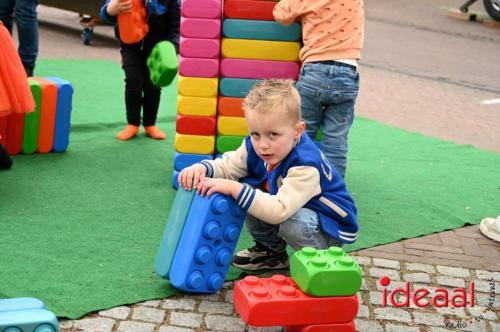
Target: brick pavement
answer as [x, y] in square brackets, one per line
[445, 259]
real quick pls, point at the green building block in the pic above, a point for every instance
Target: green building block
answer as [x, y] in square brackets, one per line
[163, 63]
[329, 272]
[32, 120]
[228, 143]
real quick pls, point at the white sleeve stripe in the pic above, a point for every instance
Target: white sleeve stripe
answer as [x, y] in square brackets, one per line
[242, 195]
[348, 234]
[350, 239]
[249, 195]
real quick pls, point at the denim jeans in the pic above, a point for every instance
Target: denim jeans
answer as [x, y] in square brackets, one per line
[328, 94]
[300, 230]
[25, 15]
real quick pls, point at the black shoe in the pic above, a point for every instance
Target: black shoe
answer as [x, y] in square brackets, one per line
[261, 258]
[5, 161]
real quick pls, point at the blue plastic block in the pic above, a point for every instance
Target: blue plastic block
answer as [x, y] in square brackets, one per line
[175, 181]
[235, 87]
[261, 30]
[207, 244]
[172, 232]
[63, 113]
[29, 320]
[183, 160]
[21, 303]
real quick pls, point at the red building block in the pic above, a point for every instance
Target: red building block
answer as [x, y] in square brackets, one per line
[342, 327]
[249, 9]
[230, 106]
[4, 122]
[195, 125]
[15, 131]
[277, 301]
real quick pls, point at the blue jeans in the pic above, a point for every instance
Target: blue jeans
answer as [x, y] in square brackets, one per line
[25, 15]
[300, 230]
[328, 94]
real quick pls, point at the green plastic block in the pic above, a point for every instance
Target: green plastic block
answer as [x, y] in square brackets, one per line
[329, 272]
[32, 120]
[163, 63]
[228, 143]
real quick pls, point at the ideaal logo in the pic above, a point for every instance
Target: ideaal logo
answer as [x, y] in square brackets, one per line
[442, 297]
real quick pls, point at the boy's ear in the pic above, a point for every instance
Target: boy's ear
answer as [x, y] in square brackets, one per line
[300, 128]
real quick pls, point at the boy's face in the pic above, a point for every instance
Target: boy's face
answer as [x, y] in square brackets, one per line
[273, 134]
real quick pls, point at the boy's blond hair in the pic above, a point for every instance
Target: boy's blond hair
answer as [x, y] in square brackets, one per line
[274, 95]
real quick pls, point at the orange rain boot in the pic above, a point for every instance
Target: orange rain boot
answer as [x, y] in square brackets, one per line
[155, 132]
[127, 133]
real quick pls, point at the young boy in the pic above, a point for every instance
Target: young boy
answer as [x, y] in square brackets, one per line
[333, 34]
[292, 193]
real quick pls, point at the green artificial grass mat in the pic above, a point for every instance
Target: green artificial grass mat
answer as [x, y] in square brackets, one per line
[79, 230]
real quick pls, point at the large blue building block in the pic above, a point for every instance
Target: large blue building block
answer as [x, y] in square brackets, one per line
[173, 230]
[26, 314]
[207, 244]
[261, 30]
[235, 87]
[63, 113]
[183, 160]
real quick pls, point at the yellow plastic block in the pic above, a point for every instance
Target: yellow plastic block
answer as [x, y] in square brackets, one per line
[260, 49]
[194, 144]
[198, 86]
[232, 125]
[198, 106]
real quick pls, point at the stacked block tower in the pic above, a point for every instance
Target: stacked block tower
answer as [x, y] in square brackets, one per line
[319, 296]
[47, 128]
[26, 314]
[223, 52]
[198, 82]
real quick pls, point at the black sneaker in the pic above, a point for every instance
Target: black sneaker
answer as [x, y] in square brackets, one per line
[261, 258]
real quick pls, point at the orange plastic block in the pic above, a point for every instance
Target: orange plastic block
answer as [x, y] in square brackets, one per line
[249, 9]
[230, 106]
[342, 327]
[195, 125]
[257, 300]
[132, 25]
[47, 115]
[15, 129]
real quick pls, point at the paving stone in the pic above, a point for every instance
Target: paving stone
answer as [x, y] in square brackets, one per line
[387, 263]
[129, 326]
[362, 260]
[375, 297]
[151, 303]
[392, 285]
[186, 319]
[420, 267]
[363, 325]
[487, 275]
[400, 328]
[211, 297]
[174, 329]
[486, 286]
[116, 312]
[224, 323]
[453, 271]
[426, 318]
[265, 329]
[495, 327]
[417, 277]
[363, 284]
[448, 281]
[477, 311]
[148, 314]
[181, 304]
[363, 311]
[486, 299]
[458, 312]
[212, 307]
[98, 324]
[65, 324]
[388, 313]
[230, 296]
[376, 272]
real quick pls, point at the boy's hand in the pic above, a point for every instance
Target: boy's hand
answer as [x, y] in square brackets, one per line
[116, 7]
[191, 176]
[224, 186]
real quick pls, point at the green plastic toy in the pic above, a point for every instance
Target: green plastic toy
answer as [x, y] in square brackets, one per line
[228, 143]
[163, 63]
[329, 272]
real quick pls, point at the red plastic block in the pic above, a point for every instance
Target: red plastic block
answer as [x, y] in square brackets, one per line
[47, 115]
[249, 9]
[15, 131]
[132, 25]
[196, 125]
[342, 327]
[4, 122]
[230, 106]
[277, 301]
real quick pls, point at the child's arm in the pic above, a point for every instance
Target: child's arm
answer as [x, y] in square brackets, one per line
[286, 11]
[112, 8]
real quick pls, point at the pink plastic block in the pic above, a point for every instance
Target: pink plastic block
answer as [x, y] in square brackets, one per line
[259, 69]
[200, 48]
[198, 67]
[201, 8]
[257, 301]
[200, 28]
